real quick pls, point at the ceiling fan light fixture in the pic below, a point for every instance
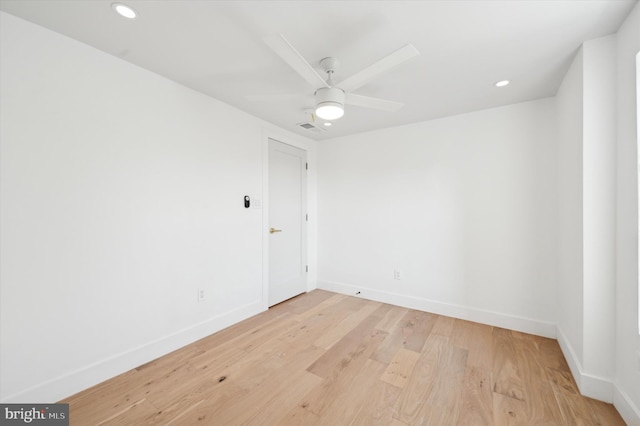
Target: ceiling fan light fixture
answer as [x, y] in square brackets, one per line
[329, 103]
[329, 111]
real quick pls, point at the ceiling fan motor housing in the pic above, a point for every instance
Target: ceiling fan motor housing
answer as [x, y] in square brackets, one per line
[330, 99]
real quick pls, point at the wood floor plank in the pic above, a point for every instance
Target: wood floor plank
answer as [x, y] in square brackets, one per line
[348, 303]
[311, 326]
[477, 339]
[550, 351]
[399, 369]
[395, 422]
[133, 414]
[177, 384]
[574, 409]
[235, 333]
[266, 335]
[106, 399]
[244, 335]
[542, 406]
[202, 404]
[410, 333]
[342, 410]
[247, 407]
[299, 358]
[111, 396]
[444, 326]
[300, 416]
[378, 406]
[577, 409]
[477, 397]
[258, 372]
[506, 376]
[336, 333]
[605, 414]
[325, 358]
[421, 383]
[445, 402]
[420, 323]
[288, 396]
[340, 367]
[299, 305]
[249, 374]
[363, 339]
[508, 411]
[169, 361]
[220, 361]
[391, 319]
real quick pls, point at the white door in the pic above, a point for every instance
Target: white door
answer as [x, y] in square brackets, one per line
[287, 221]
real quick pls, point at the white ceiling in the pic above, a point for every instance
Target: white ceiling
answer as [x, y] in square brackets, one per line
[217, 48]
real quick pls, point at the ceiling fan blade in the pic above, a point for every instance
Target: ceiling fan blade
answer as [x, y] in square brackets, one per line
[274, 97]
[374, 103]
[291, 56]
[378, 68]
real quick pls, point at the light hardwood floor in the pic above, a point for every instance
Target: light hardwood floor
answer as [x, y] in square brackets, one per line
[329, 359]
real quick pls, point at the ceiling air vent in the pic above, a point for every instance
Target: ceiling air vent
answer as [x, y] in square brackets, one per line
[312, 127]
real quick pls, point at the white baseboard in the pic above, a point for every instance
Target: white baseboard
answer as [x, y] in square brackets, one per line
[598, 387]
[629, 411]
[525, 325]
[595, 387]
[85, 377]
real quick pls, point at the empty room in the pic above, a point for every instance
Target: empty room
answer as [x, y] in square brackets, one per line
[319, 212]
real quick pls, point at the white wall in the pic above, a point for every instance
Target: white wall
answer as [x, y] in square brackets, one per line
[627, 375]
[586, 169]
[121, 195]
[599, 134]
[570, 256]
[598, 288]
[465, 207]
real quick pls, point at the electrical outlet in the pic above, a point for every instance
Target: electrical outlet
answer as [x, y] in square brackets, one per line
[396, 274]
[201, 295]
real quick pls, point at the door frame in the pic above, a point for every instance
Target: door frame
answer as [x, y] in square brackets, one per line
[310, 240]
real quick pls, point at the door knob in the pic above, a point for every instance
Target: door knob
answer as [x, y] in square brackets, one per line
[274, 230]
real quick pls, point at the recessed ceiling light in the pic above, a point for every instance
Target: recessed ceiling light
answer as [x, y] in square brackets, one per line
[502, 83]
[327, 124]
[124, 10]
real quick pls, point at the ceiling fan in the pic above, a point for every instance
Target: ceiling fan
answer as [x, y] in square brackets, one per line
[330, 97]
